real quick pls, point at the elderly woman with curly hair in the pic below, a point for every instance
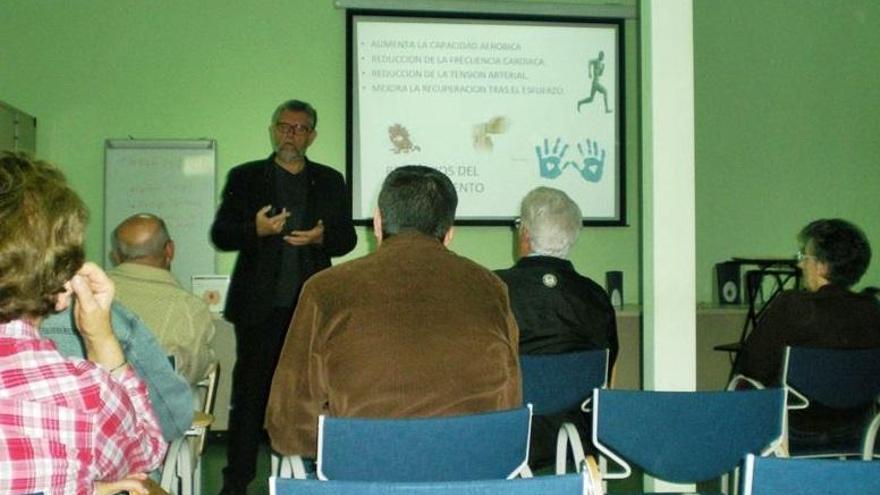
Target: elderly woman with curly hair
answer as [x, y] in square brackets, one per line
[833, 257]
[67, 426]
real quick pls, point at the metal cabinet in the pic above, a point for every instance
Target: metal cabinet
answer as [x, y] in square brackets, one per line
[18, 130]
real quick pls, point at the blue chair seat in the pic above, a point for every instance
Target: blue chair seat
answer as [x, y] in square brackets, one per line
[559, 387]
[784, 476]
[492, 445]
[685, 437]
[834, 396]
[573, 484]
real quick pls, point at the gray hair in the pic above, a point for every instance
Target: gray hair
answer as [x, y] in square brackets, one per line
[553, 221]
[296, 106]
[417, 198]
[154, 246]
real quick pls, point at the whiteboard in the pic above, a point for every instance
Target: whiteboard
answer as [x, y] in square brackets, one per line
[173, 179]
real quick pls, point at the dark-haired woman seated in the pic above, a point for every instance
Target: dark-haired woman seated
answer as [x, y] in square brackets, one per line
[827, 314]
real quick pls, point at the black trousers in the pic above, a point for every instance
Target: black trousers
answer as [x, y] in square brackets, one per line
[258, 347]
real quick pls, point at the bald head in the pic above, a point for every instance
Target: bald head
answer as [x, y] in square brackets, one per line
[143, 239]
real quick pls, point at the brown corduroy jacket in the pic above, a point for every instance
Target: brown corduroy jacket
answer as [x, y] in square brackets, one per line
[410, 330]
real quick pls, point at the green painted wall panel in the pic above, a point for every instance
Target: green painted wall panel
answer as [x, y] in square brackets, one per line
[785, 101]
[786, 124]
[91, 70]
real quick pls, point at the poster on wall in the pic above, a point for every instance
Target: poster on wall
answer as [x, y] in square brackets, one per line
[500, 105]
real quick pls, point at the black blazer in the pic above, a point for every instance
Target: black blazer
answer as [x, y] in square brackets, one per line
[559, 310]
[248, 188]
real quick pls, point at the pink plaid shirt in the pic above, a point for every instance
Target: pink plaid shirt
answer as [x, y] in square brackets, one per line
[65, 423]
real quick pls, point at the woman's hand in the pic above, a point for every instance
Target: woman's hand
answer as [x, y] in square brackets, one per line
[94, 295]
[135, 484]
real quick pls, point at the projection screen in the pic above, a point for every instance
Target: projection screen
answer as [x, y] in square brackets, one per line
[500, 105]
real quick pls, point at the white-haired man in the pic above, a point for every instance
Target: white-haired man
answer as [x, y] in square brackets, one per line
[557, 309]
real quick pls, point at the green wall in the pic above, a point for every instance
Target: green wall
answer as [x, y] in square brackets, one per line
[787, 121]
[786, 104]
[97, 69]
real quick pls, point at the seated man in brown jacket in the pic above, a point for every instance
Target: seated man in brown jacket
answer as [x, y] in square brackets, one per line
[410, 330]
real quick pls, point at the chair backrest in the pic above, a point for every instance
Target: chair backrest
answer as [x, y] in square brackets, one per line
[207, 387]
[784, 476]
[555, 383]
[685, 437]
[492, 445]
[181, 472]
[572, 484]
[207, 392]
[836, 378]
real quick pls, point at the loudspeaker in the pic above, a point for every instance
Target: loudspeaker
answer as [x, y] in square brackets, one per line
[614, 287]
[729, 282]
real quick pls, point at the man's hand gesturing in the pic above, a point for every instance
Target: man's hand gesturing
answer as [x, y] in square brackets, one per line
[273, 225]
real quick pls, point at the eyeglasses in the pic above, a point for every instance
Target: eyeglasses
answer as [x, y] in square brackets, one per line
[295, 129]
[801, 256]
[517, 223]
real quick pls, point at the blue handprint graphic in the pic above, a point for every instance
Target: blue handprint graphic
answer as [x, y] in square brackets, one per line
[549, 160]
[593, 161]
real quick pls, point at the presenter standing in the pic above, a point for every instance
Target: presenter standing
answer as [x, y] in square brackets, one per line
[286, 216]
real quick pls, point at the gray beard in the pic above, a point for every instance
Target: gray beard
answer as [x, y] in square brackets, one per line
[289, 154]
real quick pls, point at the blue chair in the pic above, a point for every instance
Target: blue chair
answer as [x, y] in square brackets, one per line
[558, 383]
[182, 468]
[573, 484]
[836, 379]
[782, 476]
[491, 445]
[870, 439]
[685, 437]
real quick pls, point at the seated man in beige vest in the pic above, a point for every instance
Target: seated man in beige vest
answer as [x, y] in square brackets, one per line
[142, 254]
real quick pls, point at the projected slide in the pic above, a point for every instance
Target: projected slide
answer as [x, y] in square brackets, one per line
[500, 106]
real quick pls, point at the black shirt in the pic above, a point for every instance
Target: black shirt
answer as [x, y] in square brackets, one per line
[831, 317]
[291, 193]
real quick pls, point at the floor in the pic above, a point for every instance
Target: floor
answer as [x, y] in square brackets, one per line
[214, 459]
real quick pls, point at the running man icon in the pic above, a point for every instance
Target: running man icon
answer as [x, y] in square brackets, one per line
[595, 69]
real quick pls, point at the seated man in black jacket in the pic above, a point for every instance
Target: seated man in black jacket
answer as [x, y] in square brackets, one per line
[557, 309]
